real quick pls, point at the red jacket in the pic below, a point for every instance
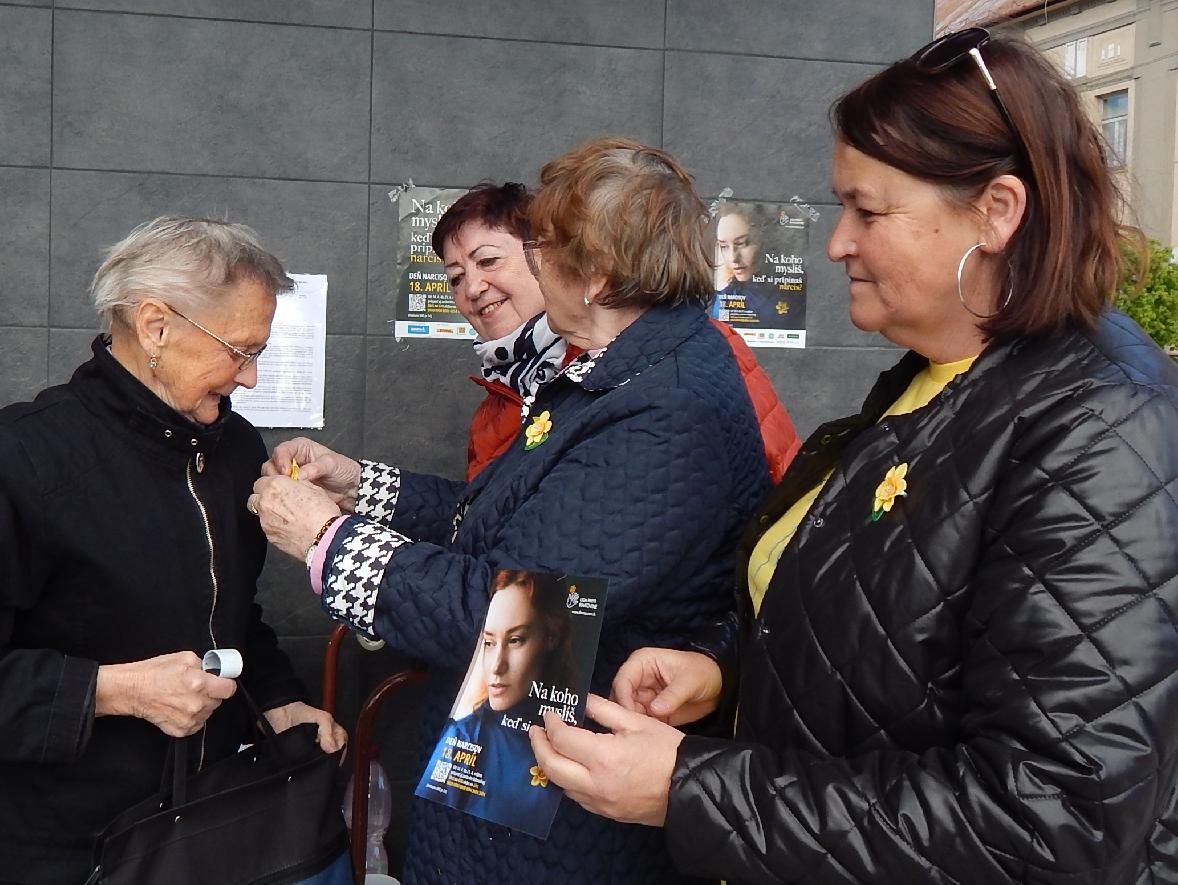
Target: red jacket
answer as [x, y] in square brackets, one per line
[496, 420]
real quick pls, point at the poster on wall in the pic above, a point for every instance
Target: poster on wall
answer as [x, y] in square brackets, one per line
[424, 307]
[291, 370]
[534, 654]
[760, 277]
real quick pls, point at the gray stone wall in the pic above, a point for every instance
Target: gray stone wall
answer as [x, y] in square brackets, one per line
[297, 116]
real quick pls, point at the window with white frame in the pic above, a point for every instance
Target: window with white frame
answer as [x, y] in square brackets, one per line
[1114, 123]
[1075, 58]
[1110, 51]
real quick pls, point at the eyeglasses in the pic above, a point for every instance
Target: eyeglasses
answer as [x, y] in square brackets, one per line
[944, 52]
[244, 358]
[533, 256]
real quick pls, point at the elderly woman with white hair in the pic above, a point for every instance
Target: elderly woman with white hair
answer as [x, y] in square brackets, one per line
[126, 550]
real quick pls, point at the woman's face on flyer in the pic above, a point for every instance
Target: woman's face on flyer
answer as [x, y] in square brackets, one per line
[737, 247]
[513, 647]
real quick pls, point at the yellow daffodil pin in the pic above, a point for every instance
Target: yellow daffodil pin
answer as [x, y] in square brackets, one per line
[539, 778]
[893, 486]
[538, 430]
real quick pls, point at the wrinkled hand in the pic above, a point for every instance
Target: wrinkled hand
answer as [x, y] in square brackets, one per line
[336, 474]
[291, 512]
[331, 735]
[675, 687]
[625, 775]
[170, 691]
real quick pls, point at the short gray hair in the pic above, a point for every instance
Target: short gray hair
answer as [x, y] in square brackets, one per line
[187, 263]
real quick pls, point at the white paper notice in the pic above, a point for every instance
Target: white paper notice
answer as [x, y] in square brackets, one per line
[291, 371]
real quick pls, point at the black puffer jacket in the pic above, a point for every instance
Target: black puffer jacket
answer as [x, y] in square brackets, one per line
[123, 535]
[981, 686]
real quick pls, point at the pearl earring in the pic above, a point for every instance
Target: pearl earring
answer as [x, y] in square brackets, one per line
[153, 362]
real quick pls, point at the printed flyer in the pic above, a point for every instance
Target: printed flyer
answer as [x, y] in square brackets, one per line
[291, 372]
[535, 653]
[761, 271]
[424, 307]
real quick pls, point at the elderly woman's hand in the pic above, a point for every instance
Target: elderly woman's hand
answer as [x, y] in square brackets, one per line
[169, 691]
[625, 775]
[675, 687]
[291, 513]
[336, 474]
[331, 734]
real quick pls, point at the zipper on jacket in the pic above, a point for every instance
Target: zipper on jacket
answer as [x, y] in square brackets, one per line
[204, 515]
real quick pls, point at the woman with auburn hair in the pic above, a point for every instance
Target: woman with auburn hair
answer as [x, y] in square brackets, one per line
[639, 463]
[546, 607]
[960, 660]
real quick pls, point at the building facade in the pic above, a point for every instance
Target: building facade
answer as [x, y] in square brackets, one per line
[1122, 55]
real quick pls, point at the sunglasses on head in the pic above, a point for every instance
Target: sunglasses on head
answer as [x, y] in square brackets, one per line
[944, 52]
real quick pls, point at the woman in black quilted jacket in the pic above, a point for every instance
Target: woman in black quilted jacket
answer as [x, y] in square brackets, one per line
[958, 644]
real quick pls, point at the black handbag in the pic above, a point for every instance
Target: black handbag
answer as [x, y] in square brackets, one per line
[267, 815]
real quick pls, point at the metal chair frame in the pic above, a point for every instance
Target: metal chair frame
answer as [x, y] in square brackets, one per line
[362, 740]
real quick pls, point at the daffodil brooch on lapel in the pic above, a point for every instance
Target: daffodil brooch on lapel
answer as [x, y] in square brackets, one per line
[893, 486]
[539, 778]
[538, 430]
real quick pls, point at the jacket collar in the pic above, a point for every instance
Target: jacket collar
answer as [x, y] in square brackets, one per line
[642, 344]
[823, 449]
[832, 438]
[108, 390]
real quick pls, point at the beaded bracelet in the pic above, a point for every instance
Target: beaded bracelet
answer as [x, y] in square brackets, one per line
[318, 537]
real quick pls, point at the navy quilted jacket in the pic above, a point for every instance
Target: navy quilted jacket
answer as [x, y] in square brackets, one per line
[981, 686]
[652, 467]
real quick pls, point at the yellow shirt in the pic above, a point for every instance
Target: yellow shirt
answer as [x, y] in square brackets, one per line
[928, 383]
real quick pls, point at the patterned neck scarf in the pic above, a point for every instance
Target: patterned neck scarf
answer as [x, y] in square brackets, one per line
[524, 359]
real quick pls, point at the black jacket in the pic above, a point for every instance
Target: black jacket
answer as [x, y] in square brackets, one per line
[115, 514]
[979, 686]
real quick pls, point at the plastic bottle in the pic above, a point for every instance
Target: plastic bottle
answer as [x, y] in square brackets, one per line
[380, 812]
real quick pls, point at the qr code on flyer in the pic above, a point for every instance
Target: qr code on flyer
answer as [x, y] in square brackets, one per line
[416, 301]
[441, 771]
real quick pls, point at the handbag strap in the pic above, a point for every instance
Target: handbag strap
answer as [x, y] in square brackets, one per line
[178, 750]
[260, 719]
[179, 771]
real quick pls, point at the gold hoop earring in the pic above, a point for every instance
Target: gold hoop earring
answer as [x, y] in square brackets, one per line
[961, 294]
[153, 362]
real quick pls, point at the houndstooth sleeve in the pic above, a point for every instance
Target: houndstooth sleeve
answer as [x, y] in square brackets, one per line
[353, 576]
[380, 487]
